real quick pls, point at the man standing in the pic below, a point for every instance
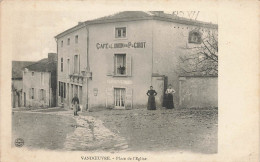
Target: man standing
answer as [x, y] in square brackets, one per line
[75, 102]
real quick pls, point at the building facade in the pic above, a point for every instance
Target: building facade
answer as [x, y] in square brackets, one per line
[39, 83]
[112, 61]
[17, 97]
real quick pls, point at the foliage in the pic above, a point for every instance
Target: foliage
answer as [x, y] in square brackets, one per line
[201, 59]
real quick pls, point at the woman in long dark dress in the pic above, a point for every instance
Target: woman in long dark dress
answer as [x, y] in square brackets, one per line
[169, 97]
[151, 99]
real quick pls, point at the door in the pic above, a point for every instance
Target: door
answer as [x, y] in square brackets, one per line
[158, 86]
[119, 96]
[24, 97]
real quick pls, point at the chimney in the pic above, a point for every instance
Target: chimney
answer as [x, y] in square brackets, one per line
[52, 57]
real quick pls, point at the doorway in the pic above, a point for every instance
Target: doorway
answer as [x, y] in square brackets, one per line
[24, 99]
[119, 96]
[159, 83]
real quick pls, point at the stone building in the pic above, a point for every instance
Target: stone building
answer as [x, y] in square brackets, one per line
[40, 82]
[112, 61]
[17, 82]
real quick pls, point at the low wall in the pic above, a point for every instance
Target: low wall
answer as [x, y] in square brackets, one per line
[198, 91]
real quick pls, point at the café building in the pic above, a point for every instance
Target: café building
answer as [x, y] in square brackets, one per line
[111, 62]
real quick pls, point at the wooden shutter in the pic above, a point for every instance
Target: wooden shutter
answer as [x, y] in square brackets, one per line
[110, 64]
[128, 65]
[129, 98]
[110, 97]
[64, 85]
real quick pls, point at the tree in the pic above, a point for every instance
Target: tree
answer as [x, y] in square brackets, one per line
[201, 58]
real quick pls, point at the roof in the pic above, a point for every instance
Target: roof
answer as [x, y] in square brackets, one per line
[17, 68]
[139, 15]
[43, 65]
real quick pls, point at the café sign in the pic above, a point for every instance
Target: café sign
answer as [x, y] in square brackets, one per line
[120, 45]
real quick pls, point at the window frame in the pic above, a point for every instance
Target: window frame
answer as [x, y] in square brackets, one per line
[68, 41]
[76, 69]
[116, 67]
[32, 94]
[61, 64]
[198, 35]
[114, 97]
[76, 39]
[120, 28]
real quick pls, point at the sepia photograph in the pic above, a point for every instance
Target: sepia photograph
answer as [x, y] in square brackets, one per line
[127, 81]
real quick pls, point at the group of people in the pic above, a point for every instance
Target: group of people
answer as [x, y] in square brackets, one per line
[151, 100]
[168, 98]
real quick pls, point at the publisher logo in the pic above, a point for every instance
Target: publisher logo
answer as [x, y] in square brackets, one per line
[19, 142]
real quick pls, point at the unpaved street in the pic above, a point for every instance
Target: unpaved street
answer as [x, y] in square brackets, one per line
[61, 130]
[193, 130]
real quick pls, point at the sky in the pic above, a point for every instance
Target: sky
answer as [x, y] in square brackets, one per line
[34, 27]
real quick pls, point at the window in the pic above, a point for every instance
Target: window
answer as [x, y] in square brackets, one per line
[32, 73]
[32, 93]
[120, 32]
[195, 37]
[59, 88]
[76, 64]
[61, 64]
[42, 78]
[120, 64]
[68, 62]
[76, 39]
[61, 44]
[68, 41]
[64, 86]
[119, 96]
[62, 89]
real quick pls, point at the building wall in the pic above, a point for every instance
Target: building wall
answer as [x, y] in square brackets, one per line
[68, 52]
[198, 92]
[102, 63]
[170, 41]
[34, 81]
[164, 43]
[17, 96]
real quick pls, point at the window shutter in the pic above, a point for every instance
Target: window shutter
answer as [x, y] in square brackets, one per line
[114, 65]
[109, 97]
[129, 98]
[110, 64]
[128, 65]
[64, 90]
